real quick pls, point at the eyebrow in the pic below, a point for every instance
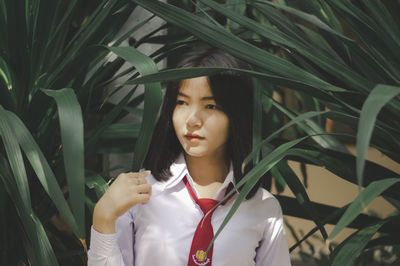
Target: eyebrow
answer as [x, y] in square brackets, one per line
[203, 98]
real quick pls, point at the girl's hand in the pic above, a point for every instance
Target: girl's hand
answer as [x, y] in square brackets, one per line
[125, 192]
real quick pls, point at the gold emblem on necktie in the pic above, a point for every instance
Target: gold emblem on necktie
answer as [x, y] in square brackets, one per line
[200, 257]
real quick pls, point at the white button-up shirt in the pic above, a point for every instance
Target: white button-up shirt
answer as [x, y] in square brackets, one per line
[161, 231]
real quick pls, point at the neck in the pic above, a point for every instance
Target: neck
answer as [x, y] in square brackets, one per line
[207, 169]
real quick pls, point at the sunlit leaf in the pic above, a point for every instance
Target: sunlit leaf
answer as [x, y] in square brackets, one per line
[252, 177]
[351, 248]
[378, 97]
[366, 196]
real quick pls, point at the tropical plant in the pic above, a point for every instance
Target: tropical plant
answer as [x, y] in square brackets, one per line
[340, 59]
[56, 122]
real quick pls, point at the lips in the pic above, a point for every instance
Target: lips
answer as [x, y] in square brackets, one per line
[193, 137]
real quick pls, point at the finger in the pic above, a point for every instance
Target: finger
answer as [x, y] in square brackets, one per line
[141, 180]
[144, 174]
[124, 176]
[143, 188]
[138, 174]
[142, 198]
[137, 180]
[141, 176]
[133, 177]
[134, 180]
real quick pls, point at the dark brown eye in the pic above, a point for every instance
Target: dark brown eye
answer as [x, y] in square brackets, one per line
[180, 102]
[211, 106]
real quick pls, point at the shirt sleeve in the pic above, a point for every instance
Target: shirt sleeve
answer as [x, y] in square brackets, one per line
[273, 249]
[113, 249]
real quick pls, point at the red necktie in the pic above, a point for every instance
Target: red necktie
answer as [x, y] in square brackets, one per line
[204, 232]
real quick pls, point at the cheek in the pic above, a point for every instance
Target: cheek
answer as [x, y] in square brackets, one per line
[222, 127]
[177, 119]
[174, 120]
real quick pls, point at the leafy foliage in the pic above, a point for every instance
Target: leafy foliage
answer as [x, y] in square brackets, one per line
[338, 56]
[51, 147]
[339, 59]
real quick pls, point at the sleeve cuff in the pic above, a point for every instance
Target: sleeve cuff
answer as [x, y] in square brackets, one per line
[103, 244]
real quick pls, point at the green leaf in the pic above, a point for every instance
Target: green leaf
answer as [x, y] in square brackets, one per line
[97, 182]
[327, 213]
[35, 240]
[352, 247]
[120, 131]
[133, 30]
[332, 64]
[378, 97]
[384, 19]
[152, 100]
[71, 125]
[183, 73]
[15, 159]
[343, 165]
[300, 193]
[312, 128]
[366, 196]
[42, 170]
[252, 177]
[370, 33]
[280, 183]
[5, 74]
[109, 118]
[219, 37]
[238, 7]
[294, 121]
[7, 94]
[394, 202]
[312, 19]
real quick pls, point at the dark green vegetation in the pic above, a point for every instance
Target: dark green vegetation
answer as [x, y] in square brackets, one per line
[339, 59]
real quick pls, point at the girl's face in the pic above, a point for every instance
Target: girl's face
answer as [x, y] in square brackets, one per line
[200, 125]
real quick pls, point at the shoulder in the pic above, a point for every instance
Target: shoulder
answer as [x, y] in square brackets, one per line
[156, 187]
[264, 202]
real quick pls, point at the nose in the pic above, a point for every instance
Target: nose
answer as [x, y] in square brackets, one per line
[194, 119]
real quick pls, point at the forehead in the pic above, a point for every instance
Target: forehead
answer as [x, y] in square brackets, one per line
[196, 86]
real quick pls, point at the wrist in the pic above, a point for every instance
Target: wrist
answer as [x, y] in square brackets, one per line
[103, 222]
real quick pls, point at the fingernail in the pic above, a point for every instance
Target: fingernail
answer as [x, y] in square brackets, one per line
[147, 172]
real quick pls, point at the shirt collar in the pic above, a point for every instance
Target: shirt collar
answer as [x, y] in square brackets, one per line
[179, 171]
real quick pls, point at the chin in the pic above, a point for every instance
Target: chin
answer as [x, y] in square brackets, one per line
[195, 153]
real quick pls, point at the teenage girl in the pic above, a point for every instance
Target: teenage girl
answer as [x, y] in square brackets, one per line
[168, 216]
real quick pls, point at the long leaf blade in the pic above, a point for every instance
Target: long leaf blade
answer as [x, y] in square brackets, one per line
[71, 125]
[43, 171]
[353, 245]
[219, 37]
[252, 177]
[35, 240]
[15, 159]
[152, 100]
[378, 97]
[372, 191]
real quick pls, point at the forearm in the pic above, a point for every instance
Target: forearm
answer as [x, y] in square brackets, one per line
[113, 249]
[103, 222]
[104, 250]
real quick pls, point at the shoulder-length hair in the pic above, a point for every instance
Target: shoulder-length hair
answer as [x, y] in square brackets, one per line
[232, 91]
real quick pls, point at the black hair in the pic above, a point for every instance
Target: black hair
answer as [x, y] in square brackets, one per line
[232, 91]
